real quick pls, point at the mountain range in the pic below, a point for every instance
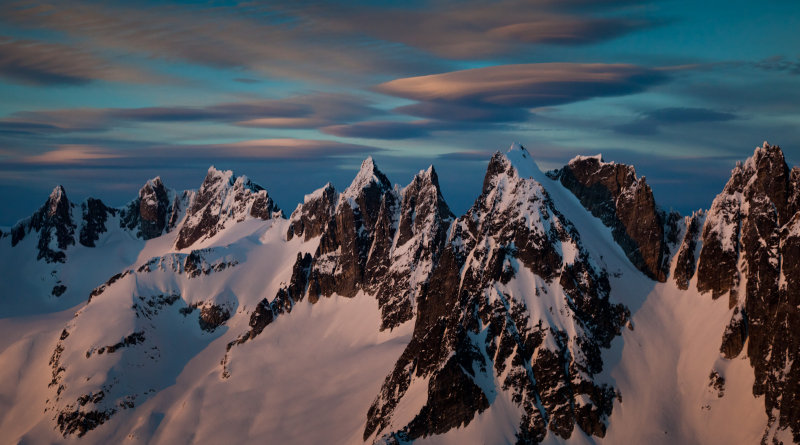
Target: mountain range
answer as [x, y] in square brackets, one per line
[564, 306]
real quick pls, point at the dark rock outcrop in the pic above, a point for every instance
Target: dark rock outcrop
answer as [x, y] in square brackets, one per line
[54, 226]
[472, 327]
[686, 258]
[148, 215]
[625, 203]
[95, 215]
[373, 238]
[311, 217]
[223, 199]
[751, 251]
[213, 316]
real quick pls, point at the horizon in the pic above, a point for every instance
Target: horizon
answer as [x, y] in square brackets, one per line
[459, 208]
[100, 97]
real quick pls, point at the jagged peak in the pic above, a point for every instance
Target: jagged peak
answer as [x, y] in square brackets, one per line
[425, 180]
[765, 150]
[223, 175]
[427, 176]
[155, 182]
[58, 193]
[368, 174]
[224, 179]
[581, 158]
[319, 193]
[518, 157]
[152, 186]
[57, 198]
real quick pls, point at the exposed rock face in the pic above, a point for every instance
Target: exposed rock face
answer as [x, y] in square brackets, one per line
[311, 217]
[377, 239]
[95, 215]
[148, 215]
[213, 316]
[155, 211]
[751, 250]
[53, 224]
[625, 203]
[223, 199]
[402, 260]
[475, 324]
[686, 261]
[373, 238]
[340, 261]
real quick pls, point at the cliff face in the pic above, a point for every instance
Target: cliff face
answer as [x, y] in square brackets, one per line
[222, 200]
[625, 203]
[54, 225]
[506, 312]
[750, 252]
[476, 325]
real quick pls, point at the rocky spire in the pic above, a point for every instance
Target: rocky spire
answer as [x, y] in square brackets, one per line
[625, 203]
[147, 215]
[222, 200]
[751, 251]
[52, 220]
[473, 327]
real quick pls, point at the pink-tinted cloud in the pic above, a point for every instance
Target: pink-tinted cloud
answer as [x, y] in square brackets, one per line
[41, 63]
[71, 154]
[74, 155]
[307, 40]
[528, 85]
[307, 111]
[472, 30]
[275, 39]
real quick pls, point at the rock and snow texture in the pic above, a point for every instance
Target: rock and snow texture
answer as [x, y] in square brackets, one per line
[515, 313]
[223, 200]
[564, 307]
[751, 252]
[613, 193]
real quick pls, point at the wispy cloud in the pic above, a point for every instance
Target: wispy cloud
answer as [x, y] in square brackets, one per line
[71, 154]
[390, 129]
[75, 155]
[41, 63]
[651, 122]
[528, 85]
[506, 93]
[475, 30]
[307, 111]
[282, 40]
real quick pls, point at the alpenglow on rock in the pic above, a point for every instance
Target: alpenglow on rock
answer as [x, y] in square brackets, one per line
[560, 307]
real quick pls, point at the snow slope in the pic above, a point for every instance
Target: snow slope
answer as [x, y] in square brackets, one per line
[165, 326]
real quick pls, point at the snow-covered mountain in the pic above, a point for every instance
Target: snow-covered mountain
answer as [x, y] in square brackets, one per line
[562, 307]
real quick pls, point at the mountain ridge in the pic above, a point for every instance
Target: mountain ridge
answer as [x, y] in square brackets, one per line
[516, 305]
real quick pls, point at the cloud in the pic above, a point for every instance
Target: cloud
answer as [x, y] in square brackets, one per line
[307, 111]
[779, 63]
[566, 30]
[41, 63]
[529, 85]
[84, 155]
[71, 154]
[465, 113]
[651, 121]
[506, 93]
[275, 39]
[475, 30]
[466, 155]
[384, 129]
[346, 42]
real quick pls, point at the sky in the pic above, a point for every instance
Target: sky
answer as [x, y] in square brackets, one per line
[101, 96]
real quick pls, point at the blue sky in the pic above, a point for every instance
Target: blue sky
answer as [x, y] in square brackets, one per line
[101, 96]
